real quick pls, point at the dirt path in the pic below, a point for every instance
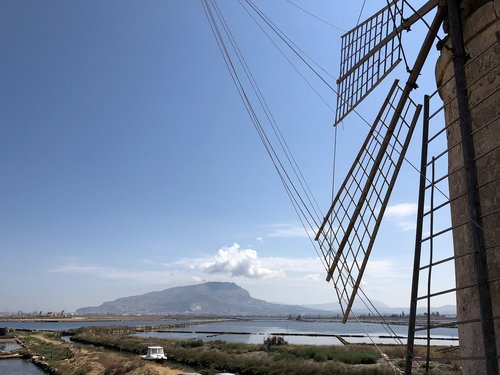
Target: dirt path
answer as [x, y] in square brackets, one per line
[49, 340]
[155, 369]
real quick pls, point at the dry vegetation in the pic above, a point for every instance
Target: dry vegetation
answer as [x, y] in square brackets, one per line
[59, 357]
[97, 351]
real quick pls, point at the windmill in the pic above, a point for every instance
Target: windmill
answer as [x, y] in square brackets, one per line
[347, 234]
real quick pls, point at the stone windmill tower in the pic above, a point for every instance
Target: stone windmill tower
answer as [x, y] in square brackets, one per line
[471, 55]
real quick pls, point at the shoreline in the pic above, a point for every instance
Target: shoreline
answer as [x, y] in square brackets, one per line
[148, 318]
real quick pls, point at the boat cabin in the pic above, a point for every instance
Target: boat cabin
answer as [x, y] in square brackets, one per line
[154, 352]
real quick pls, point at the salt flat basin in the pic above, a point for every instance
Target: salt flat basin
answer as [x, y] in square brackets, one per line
[19, 367]
[10, 345]
[320, 332]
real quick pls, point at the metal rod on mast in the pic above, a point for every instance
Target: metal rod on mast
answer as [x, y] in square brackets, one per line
[418, 240]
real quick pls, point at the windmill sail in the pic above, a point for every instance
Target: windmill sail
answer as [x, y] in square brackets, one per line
[347, 234]
[369, 52]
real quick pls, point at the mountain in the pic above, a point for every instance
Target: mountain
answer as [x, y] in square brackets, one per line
[212, 298]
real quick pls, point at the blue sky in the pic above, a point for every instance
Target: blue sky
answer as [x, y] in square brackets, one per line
[129, 164]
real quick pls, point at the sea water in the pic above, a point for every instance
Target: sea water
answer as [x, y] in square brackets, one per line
[301, 332]
[64, 326]
[257, 329]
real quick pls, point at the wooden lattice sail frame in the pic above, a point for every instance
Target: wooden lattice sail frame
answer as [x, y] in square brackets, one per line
[348, 232]
[347, 236]
[369, 52]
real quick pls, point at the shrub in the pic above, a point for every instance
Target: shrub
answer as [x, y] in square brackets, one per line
[234, 347]
[191, 343]
[271, 341]
[320, 357]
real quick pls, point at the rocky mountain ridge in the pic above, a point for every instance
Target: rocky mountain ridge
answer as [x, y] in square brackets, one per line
[212, 298]
[228, 299]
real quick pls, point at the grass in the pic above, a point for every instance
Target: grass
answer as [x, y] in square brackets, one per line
[117, 353]
[251, 359]
[233, 347]
[351, 355]
[48, 351]
[191, 344]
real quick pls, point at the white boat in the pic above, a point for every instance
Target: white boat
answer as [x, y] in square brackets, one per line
[154, 353]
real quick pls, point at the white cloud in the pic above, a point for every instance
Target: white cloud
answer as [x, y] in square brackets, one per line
[143, 276]
[228, 258]
[238, 262]
[79, 269]
[295, 265]
[406, 225]
[401, 210]
[230, 261]
[383, 269]
[275, 279]
[288, 231]
[313, 277]
[404, 215]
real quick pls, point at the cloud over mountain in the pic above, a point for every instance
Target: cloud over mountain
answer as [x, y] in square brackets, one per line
[239, 262]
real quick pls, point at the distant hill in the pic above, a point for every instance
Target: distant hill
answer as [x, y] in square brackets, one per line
[360, 308]
[213, 298]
